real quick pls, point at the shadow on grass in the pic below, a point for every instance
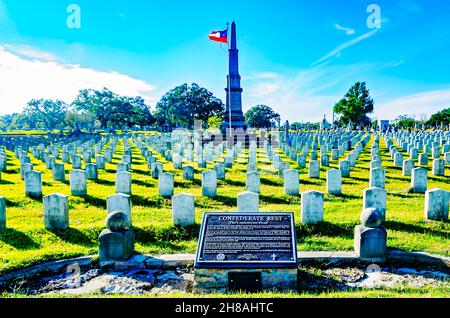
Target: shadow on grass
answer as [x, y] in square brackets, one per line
[347, 196]
[235, 183]
[324, 229]
[6, 182]
[153, 201]
[17, 239]
[105, 182]
[359, 179]
[75, 236]
[143, 183]
[141, 172]
[277, 200]
[228, 201]
[311, 181]
[95, 201]
[166, 235]
[270, 182]
[415, 228]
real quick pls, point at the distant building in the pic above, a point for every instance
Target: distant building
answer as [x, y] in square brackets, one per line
[384, 125]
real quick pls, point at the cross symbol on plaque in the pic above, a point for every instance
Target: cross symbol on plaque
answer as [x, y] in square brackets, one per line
[274, 256]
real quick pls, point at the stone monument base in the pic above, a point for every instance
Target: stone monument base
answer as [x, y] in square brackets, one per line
[222, 280]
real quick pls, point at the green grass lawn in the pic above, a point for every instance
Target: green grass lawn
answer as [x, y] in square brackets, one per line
[26, 241]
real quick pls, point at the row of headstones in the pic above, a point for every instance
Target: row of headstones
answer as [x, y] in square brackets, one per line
[438, 165]
[78, 183]
[56, 207]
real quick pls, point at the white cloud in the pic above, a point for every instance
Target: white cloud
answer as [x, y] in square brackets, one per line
[347, 31]
[428, 102]
[30, 52]
[35, 74]
[344, 46]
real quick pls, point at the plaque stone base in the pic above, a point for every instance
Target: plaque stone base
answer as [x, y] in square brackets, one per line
[215, 280]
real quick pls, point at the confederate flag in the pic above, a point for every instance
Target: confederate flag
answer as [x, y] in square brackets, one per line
[219, 36]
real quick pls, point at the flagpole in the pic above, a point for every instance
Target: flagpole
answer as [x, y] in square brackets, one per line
[228, 81]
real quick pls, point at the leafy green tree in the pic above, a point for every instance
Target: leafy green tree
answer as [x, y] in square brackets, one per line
[441, 118]
[405, 121]
[46, 113]
[80, 121]
[355, 105]
[261, 116]
[98, 103]
[184, 104]
[113, 110]
[12, 121]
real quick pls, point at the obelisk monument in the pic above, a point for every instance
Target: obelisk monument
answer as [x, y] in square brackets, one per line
[233, 90]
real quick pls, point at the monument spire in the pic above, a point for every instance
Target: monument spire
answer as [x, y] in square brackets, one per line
[233, 117]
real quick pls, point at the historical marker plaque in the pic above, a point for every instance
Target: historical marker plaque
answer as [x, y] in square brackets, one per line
[247, 240]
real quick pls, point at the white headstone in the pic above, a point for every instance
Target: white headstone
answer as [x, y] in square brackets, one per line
[183, 209]
[248, 202]
[312, 207]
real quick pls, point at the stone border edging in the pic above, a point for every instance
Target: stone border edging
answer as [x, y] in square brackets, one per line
[172, 261]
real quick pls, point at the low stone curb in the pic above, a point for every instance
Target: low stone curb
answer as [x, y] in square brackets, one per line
[173, 261]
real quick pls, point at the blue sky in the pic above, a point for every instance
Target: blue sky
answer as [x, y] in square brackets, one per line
[298, 57]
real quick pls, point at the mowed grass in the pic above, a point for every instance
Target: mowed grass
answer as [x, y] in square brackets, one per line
[26, 241]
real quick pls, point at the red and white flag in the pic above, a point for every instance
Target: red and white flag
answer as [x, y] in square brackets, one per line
[219, 36]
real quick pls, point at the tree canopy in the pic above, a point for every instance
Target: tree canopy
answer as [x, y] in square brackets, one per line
[261, 116]
[441, 118]
[45, 113]
[355, 105]
[184, 104]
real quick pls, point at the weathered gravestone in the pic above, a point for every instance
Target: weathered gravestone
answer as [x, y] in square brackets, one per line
[2, 212]
[253, 182]
[220, 170]
[419, 180]
[375, 198]
[123, 182]
[209, 183]
[370, 236]
[188, 173]
[166, 185]
[246, 252]
[33, 184]
[377, 178]
[117, 242]
[248, 202]
[314, 169]
[56, 211]
[119, 202]
[344, 166]
[438, 167]
[312, 207]
[436, 204]
[78, 186]
[334, 182]
[183, 209]
[291, 182]
[91, 171]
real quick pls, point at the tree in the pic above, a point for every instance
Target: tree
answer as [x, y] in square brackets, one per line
[261, 116]
[113, 110]
[80, 121]
[441, 118]
[98, 103]
[405, 121]
[47, 113]
[184, 104]
[355, 105]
